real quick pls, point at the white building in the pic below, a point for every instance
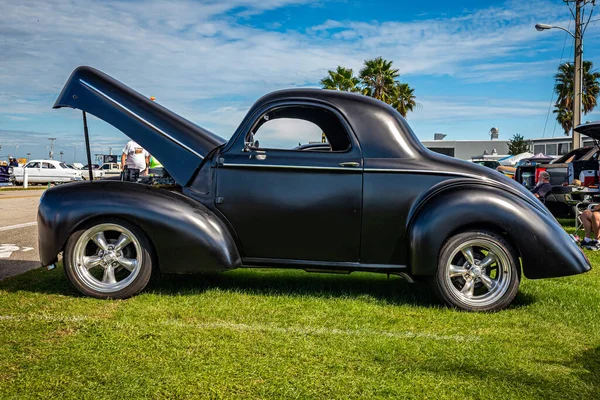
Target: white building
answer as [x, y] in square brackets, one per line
[468, 149]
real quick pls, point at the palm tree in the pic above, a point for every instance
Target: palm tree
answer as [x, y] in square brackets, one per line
[341, 79]
[403, 98]
[379, 79]
[564, 116]
[564, 91]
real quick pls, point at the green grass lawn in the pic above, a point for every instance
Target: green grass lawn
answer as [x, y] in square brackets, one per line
[289, 334]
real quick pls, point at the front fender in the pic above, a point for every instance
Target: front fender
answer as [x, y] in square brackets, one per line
[545, 248]
[186, 235]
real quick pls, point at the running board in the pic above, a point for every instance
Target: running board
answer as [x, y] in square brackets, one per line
[325, 266]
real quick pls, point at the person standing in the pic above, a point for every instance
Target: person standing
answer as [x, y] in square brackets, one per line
[135, 157]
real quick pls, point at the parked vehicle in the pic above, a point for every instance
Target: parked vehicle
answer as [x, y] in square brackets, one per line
[562, 171]
[526, 167]
[4, 175]
[377, 201]
[94, 166]
[110, 169]
[493, 164]
[96, 173]
[45, 171]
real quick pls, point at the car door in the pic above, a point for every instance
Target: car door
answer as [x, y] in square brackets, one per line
[50, 173]
[34, 171]
[288, 203]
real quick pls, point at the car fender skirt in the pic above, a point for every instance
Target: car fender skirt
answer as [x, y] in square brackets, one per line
[545, 248]
[187, 236]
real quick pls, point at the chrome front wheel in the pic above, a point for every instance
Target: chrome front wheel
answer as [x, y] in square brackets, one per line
[478, 271]
[108, 259]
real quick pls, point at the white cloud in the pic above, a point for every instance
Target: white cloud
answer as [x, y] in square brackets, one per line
[195, 57]
[463, 109]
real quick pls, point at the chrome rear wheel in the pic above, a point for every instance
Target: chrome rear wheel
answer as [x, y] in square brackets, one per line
[478, 271]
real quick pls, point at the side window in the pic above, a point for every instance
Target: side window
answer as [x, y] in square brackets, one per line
[63, 165]
[299, 128]
[33, 165]
[48, 165]
[105, 166]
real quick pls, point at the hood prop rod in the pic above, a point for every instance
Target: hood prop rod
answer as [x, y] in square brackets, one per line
[87, 146]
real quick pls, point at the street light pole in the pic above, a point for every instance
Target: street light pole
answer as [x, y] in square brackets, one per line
[51, 154]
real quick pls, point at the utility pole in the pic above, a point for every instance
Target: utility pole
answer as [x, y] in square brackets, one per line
[51, 153]
[577, 84]
[580, 28]
[28, 155]
[61, 154]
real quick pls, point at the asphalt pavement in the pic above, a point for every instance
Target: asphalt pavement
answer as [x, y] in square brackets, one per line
[18, 231]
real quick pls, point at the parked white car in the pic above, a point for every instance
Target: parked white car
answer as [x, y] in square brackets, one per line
[111, 168]
[45, 171]
[96, 173]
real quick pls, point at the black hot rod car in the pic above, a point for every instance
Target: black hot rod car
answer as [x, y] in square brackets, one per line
[373, 199]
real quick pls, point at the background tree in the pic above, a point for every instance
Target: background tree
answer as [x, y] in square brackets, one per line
[341, 79]
[377, 79]
[563, 108]
[403, 98]
[517, 145]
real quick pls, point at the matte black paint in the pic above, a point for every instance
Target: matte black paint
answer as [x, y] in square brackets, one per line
[186, 235]
[591, 129]
[392, 211]
[141, 119]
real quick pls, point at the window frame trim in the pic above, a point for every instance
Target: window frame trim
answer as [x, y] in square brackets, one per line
[252, 120]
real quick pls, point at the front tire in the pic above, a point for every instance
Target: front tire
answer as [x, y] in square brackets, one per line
[477, 271]
[109, 259]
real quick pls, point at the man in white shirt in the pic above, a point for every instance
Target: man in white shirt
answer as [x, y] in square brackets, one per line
[135, 157]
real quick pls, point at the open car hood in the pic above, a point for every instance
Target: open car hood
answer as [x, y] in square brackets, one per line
[176, 142]
[591, 129]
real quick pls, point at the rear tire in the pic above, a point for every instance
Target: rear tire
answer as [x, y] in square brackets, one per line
[477, 271]
[110, 259]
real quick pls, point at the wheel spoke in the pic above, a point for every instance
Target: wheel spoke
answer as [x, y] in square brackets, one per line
[468, 254]
[488, 260]
[109, 275]
[91, 261]
[456, 270]
[467, 290]
[123, 241]
[100, 240]
[129, 263]
[489, 283]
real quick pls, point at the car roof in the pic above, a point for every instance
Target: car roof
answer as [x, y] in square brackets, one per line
[380, 129]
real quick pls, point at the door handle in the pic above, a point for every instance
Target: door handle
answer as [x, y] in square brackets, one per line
[352, 164]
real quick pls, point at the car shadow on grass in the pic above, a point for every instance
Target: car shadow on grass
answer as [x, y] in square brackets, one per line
[392, 290]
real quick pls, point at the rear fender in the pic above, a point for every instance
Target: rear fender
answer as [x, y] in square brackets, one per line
[187, 236]
[545, 248]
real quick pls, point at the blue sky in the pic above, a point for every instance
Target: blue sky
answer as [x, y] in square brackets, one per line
[473, 64]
